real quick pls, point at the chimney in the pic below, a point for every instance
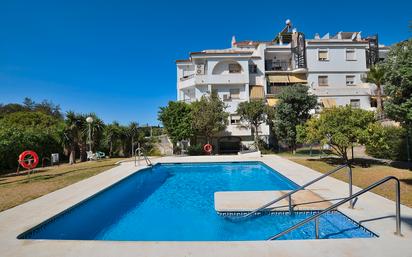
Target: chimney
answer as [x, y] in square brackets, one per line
[233, 41]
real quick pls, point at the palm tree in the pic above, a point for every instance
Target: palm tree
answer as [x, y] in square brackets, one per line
[111, 134]
[71, 134]
[124, 139]
[376, 75]
[133, 130]
[97, 127]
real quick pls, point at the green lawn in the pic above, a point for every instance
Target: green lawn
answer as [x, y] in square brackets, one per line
[15, 190]
[364, 175]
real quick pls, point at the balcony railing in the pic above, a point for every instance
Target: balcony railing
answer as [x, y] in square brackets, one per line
[275, 90]
[187, 76]
[277, 65]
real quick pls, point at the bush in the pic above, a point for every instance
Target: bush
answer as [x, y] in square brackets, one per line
[21, 131]
[155, 152]
[386, 142]
[195, 150]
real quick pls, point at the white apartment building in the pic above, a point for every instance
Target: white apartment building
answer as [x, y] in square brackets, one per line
[333, 67]
[337, 68]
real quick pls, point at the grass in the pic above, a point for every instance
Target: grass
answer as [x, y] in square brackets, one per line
[18, 189]
[364, 175]
[300, 152]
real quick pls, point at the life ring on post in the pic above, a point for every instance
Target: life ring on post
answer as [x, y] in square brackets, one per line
[28, 159]
[208, 148]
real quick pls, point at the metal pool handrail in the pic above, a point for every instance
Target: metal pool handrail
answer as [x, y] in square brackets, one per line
[367, 189]
[138, 155]
[288, 195]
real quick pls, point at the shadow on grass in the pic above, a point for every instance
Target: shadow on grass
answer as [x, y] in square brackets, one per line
[365, 162]
[313, 152]
[39, 177]
[407, 181]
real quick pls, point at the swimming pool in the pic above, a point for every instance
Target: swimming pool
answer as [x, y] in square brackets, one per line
[175, 202]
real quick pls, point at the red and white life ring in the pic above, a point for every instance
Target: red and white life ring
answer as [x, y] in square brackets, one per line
[208, 148]
[28, 159]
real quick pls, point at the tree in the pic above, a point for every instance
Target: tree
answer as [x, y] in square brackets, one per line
[339, 127]
[386, 142]
[72, 134]
[133, 131]
[255, 113]
[46, 107]
[111, 134]
[24, 130]
[177, 120]
[97, 128]
[209, 116]
[293, 109]
[376, 75]
[398, 83]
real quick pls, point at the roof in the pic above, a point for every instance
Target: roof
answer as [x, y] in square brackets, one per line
[185, 60]
[223, 51]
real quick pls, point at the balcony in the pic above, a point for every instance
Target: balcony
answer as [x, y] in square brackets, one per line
[236, 78]
[278, 65]
[187, 81]
[193, 80]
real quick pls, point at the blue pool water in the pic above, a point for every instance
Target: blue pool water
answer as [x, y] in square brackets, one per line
[175, 202]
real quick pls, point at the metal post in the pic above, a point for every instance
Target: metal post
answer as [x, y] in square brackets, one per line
[398, 208]
[317, 228]
[408, 151]
[350, 185]
[90, 137]
[139, 152]
[290, 204]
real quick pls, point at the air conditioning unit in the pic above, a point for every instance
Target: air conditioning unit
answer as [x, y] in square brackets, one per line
[226, 97]
[200, 69]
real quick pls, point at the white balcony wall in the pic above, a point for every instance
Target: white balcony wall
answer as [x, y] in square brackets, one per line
[234, 78]
[345, 100]
[335, 80]
[185, 83]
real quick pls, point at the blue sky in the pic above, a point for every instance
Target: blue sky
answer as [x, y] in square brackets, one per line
[116, 58]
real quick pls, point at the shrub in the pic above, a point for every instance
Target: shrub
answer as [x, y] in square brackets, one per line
[386, 142]
[155, 152]
[195, 150]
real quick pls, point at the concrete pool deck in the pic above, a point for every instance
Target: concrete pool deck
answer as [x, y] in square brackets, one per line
[372, 211]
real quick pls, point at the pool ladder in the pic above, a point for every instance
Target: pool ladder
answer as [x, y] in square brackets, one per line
[138, 153]
[289, 195]
[347, 199]
[351, 197]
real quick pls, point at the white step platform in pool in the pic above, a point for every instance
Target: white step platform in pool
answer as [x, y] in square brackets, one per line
[239, 201]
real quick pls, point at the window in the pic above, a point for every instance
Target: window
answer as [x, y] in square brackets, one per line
[355, 103]
[234, 93]
[234, 68]
[323, 80]
[234, 119]
[323, 55]
[350, 80]
[253, 68]
[350, 55]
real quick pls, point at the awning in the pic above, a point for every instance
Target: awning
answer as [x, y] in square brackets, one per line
[284, 78]
[257, 92]
[328, 102]
[298, 78]
[278, 78]
[272, 101]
